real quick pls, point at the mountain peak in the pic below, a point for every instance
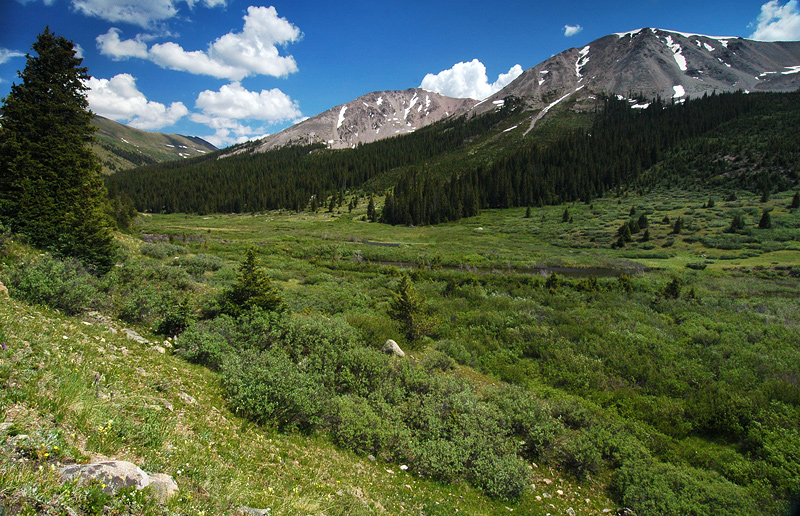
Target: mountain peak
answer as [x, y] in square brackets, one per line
[651, 63]
[374, 116]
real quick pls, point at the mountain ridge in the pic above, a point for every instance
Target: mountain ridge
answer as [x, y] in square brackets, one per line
[121, 147]
[641, 65]
[653, 63]
[369, 118]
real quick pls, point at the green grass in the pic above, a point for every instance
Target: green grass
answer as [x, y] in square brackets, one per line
[623, 371]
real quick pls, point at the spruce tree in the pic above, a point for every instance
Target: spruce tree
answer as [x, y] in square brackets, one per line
[795, 201]
[407, 308]
[766, 220]
[252, 289]
[50, 184]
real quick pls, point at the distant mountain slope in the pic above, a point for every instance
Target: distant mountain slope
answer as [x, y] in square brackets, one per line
[120, 147]
[649, 63]
[370, 118]
[641, 64]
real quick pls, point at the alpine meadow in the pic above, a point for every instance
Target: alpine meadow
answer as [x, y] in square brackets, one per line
[578, 296]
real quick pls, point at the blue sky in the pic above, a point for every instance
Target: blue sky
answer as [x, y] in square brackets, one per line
[230, 70]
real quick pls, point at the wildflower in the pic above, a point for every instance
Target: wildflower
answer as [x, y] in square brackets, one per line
[3, 345]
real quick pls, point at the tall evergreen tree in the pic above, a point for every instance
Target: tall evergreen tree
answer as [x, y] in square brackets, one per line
[50, 184]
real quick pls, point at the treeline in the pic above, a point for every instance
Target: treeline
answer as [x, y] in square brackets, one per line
[621, 144]
[290, 178]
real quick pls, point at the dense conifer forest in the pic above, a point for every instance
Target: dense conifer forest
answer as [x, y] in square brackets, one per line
[582, 164]
[295, 178]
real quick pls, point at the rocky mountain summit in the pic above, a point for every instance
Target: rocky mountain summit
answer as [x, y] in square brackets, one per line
[374, 116]
[639, 65]
[649, 63]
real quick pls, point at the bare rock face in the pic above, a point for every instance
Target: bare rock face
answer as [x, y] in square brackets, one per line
[116, 475]
[650, 63]
[373, 117]
[391, 348]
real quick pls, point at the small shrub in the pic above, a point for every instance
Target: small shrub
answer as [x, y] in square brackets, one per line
[161, 250]
[198, 264]
[269, 388]
[62, 285]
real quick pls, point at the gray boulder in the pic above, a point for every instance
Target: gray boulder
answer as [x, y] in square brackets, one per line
[391, 348]
[116, 475]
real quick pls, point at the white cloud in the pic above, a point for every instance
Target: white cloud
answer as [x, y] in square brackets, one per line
[173, 56]
[233, 56]
[778, 22]
[227, 131]
[119, 99]
[137, 12]
[6, 55]
[571, 30]
[110, 45]
[234, 101]
[468, 80]
[144, 13]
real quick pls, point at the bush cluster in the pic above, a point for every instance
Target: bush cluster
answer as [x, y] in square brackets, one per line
[305, 374]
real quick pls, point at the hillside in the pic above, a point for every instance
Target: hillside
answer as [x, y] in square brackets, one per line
[669, 391]
[120, 147]
[639, 65]
[477, 162]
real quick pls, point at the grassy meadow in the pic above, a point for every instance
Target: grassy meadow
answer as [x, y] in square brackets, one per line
[662, 373]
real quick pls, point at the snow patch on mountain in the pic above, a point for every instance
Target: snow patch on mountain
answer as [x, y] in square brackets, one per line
[676, 51]
[631, 33]
[582, 61]
[341, 117]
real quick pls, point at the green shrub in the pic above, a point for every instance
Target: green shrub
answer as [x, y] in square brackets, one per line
[499, 476]
[198, 264]
[60, 284]
[581, 455]
[162, 250]
[650, 487]
[355, 425]
[269, 388]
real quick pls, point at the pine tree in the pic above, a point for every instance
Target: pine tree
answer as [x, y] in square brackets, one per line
[766, 220]
[795, 201]
[252, 289]
[565, 216]
[406, 307]
[50, 184]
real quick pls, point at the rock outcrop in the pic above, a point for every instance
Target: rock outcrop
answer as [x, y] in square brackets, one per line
[391, 348]
[115, 475]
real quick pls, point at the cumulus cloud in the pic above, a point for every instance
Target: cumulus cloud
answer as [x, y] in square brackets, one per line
[118, 98]
[468, 80]
[144, 13]
[7, 55]
[254, 49]
[174, 57]
[234, 56]
[110, 45]
[234, 101]
[226, 130]
[571, 30]
[778, 22]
